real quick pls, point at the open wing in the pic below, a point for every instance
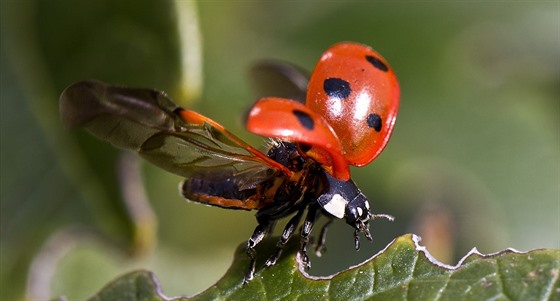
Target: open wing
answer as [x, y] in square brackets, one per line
[177, 140]
[279, 79]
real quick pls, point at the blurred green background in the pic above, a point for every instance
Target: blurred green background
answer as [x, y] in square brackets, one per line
[473, 162]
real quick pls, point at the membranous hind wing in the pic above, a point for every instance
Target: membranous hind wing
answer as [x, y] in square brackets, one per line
[279, 79]
[178, 140]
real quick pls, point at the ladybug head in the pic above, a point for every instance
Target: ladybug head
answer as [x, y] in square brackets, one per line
[357, 213]
[343, 199]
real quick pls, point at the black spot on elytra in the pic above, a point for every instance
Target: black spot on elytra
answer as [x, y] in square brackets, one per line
[304, 119]
[336, 87]
[374, 122]
[377, 63]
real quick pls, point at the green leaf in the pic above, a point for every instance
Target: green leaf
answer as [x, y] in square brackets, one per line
[403, 271]
[140, 285]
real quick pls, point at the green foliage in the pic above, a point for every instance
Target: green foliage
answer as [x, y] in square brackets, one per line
[136, 286]
[53, 180]
[404, 271]
[474, 158]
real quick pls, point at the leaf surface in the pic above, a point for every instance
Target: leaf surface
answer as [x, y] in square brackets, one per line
[403, 271]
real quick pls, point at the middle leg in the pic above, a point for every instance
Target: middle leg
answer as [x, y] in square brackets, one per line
[286, 235]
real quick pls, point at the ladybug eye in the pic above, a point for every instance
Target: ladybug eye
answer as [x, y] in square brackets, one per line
[336, 87]
[374, 121]
[377, 63]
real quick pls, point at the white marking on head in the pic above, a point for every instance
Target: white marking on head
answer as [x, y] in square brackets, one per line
[336, 206]
[360, 211]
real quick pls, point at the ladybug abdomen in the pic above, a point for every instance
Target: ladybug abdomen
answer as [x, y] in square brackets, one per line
[225, 193]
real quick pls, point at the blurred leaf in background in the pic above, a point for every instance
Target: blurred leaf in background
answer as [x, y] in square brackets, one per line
[61, 186]
[474, 160]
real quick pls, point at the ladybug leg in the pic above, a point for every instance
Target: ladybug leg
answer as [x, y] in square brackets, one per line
[305, 231]
[284, 238]
[357, 239]
[321, 248]
[264, 227]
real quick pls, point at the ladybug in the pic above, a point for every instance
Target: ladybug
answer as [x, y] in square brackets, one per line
[345, 118]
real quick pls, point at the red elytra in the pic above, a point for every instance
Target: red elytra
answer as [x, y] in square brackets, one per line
[290, 120]
[354, 94]
[357, 93]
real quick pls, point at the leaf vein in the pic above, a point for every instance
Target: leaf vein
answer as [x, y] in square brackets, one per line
[372, 277]
[550, 287]
[501, 281]
[442, 289]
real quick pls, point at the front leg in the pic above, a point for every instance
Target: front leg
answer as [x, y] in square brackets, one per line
[260, 232]
[321, 248]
